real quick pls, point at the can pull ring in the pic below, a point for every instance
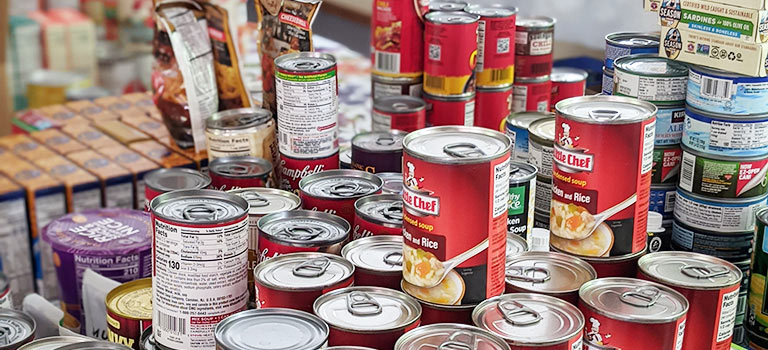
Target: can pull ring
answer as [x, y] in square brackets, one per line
[361, 304]
[463, 150]
[703, 272]
[302, 232]
[642, 296]
[346, 189]
[254, 198]
[394, 258]
[400, 106]
[4, 337]
[393, 212]
[312, 268]
[249, 118]
[234, 169]
[385, 141]
[604, 114]
[460, 340]
[518, 314]
[513, 170]
[528, 273]
[199, 212]
[307, 65]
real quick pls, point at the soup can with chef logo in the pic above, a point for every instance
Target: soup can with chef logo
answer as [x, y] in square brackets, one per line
[541, 140]
[666, 164]
[716, 214]
[450, 336]
[651, 78]
[18, 328]
[161, 181]
[129, 312]
[397, 39]
[383, 86]
[277, 329]
[437, 218]
[378, 214]
[566, 83]
[531, 94]
[230, 173]
[241, 132]
[293, 170]
[405, 113]
[495, 43]
[522, 195]
[393, 183]
[592, 134]
[726, 135]
[622, 44]
[723, 177]
[450, 110]
[612, 266]
[300, 231]
[626, 313]
[335, 191]
[717, 91]
[731, 246]
[295, 280]
[607, 88]
[555, 274]
[378, 151]
[662, 200]
[532, 321]
[706, 282]
[492, 106]
[450, 40]
[669, 125]
[367, 316]
[534, 40]
[378, 261]
[757, 307]
[516, 127]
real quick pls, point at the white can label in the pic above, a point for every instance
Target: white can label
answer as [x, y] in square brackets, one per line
[653, 89]
[543, 195]
[381, 122]
[649, 135]
[680, 336]
[480, 46]
[716, 217]
[500, 188]
[728, 309]
[469, 113]
[14, 246]
[737, 138]
[541, 157]
[254, 143]
[519, 98]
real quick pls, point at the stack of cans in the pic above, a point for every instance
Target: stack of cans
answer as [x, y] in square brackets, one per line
[534, 41]
[621, 44]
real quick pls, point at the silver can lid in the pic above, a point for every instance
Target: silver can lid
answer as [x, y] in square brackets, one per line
[16, 328]
[526, 319]
[347, 347]
[543, 131]
[548, 272]
[265, 201]
[53, 343]
[386, 209]
[493, 10]
[345, 157]
[167, 180]
[456, 144]
[523, 120]
[340, 184]
[447, 5]
[568, 75]
[633, 300]
[399, 104]
[271, 329]
[305, 62]
[307, 271]
[540, 22]
[450, 336]
[94, 345]
[367, 309]
[240, 167]
[634, 39]
[689, 270]
[304, 228]
[651, 65]
[240, 118]
[605, 109]
[521, 172]
[393, 182]
[451, 17]
[382, 254]
[199, 206]
[515, 245]
[378, 142]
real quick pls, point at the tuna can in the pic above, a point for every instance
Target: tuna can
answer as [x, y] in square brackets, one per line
[450, 110]
[241, 132]
[129, 312]
[393, 183]
[404, 113]
[757, 307]
[335, 191]
[115, 243]
[271, 329]
[534, 40]
[613, 266]
[515, 246]
[397, 41]
[723, 177]
[295, 280]
[729, 246]
[161, 181]
[378, 261]
[541, 139]
[450, 336]
[669, 125]
[384, 86]
[6, 299]
[607, 88]
[345, 158]
[706, 282]
[522, 196]
[716, 214]
[231, 173]
[532, 321]
[627, 313]
[492, 106]
[193, 290]
[662, 200]
[516, 127]
[721, 92]
[651, 78]
[566, 83]
[378, 214]
[451, 72]
[53, 342]
[93, 345]
[495, 44]
[148, 340]
[300, 231]
[307, 105]
[532, 94]
[726, 135]
[543, 198]
[292, 170]
[437, 217]
[378, 151]
[367, 316]
[555, 274]
[622, 44]
[585, 181]
[18, 328]
[666, 164]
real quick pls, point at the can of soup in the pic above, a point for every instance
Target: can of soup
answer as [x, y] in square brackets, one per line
[534, 40]
[378, 261]
[495, 43]
[378, 151]
[516, 127]
[161, 181]
[622, 44]
[241, 132]
[541, 140]
[723, 177]
[726, 135]
[450, 336]
[662, 200]
[555, 274]
[384, 86]
[450, 40]
[669, 125]
[543, 199]
[450, 110]
[732, 246]
[666, 164]
[492, 106]
[397, 40]
[277, 328]
[720, 92]
[18, 328]
[651, 78]
[335, 191]
[345, 158]
[292, 170]
[515, 246]
[378, 214]
[129, 312]
[531, 94]
[612, 266]
[757, 307]
[566, 83]
[231, 173]
[447, 5]
[405, 113]
[300, 231]
[522, 195]
[393, 183]
[716, 214]
[607, 88]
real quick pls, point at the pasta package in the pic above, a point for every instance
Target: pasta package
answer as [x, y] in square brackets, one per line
[286, 27]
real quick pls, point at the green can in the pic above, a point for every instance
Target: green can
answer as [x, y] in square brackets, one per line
[757, 307]
[651, 78]
[723, 177]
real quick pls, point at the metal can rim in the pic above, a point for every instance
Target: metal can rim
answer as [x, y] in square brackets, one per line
[362, 242]
[307, 255]
[304, 214]
[573, 72]
[267, 166]
[309, 319]
[532, 80]
[610, 259]
[492, 89]
[512, 119]
[549, 23]
[724, 201]
[720, 157]
[402, 342]
[381, 104]
[386, 79]
[619, 62]
[151, 181]
[612, 38]
[463, 129]
[281, 60]
[522, 165]
[714, 115]
[566, 258]
[272, 191]
[464, 97]
[629, 318]
[650, 109]
[395, 133]
[371, 197]
[476, 9]
[643, 262]
[435, 18]
[265, 117]
[238, 201]
[540, 138]
[337, 173]
[406, 299]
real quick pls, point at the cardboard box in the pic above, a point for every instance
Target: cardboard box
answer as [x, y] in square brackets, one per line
[201, 159]
[112, 103]
[61, 115]
[89, 136]
[25, 147]
[58, 141]
[80, 41]
[654, 5]
[717, 19]
[116, 181]
[14, 240]
[84, 107]
[714, 51]
[142, 100]
[54, 41]
[83, 190]
[136, 164]
[162, 155]
[120, 131]
[150, 126]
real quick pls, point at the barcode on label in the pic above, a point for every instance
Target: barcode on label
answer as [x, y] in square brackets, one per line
[387, 62]
[686, 172]
[716, 88]
[434, 52]
[283, 137]
[502, 45]
[171, 324]
[434, 82]
[480, 46]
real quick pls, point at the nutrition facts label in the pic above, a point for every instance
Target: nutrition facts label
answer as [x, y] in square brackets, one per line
[718, 218]
[728, 308]
[653, 89]
[738, 135]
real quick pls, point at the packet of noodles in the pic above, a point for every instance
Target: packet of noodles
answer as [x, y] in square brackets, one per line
[286, 27]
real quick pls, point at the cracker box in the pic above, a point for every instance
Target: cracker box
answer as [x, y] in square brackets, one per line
[123, 133]
[137, 164]
[58, 141]
[61, 115]
[25, 147]
[89, 136]
[83, 190]
[84, 108]
[116, 181]
[162, 155]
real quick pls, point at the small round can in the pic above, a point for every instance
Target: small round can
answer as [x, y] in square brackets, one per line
[729, 246]
[393, 183]
[378, 151]
[726, 135]
[522, 196]
[367, 316]
[541, 140]
[627, 313]
[447, 5]
[383, 86]
[515, 246]
[292, 170]
[129, 312]
[397, 40]
[724, 177]
[531, 94]
[662, 200]
[716, 214]
[495, 44]
[492, 106]
[295, 280]
[450, 40]
[757, 313]
[651, 78]
[555, 274]
[566, 83]
[404, 113]
[18, 328]
[6, 300]
[450, 110]
[534, 40]
[230, 173]
[622, 44]
[666, 164]
[53, 342]
[543, 199]
[271, 329]
[241, 132]
[529, 321]
[607, 84]
[162, 181]
[378, 214]
[669, 125]
[450, 336]
[516, 127]
[345, 158]
[300, 231]
[613, 266]
[378, 261]
[93, 345]
[705, 282]
[335, 191]
[721, 92]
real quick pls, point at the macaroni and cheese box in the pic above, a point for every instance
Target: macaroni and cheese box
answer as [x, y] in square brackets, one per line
[136, 164]
[116, 181]
[58, 141]
[83, 190]
[162, 155]
[89, 136]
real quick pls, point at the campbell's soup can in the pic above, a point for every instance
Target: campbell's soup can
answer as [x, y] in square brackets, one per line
[555, 274]
[378, 151]
[437, 161]
[531, 94]
[450, 52]
[447, 5]
[300, 231]
[495, 43]
[596, 139]
[335, 191]
[378, 214]
[384, 86]
[405, 113]
[566, 83]
[378, 260]
[711, 286]
[397, 39]
[292, 170]
[231, 173]
[492, 106]
[450, 336]
[534, 40]
[129, 312]
[450, 110]
[291, 329]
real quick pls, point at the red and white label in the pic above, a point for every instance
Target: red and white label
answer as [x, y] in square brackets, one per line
[397, 37]
[578, 161]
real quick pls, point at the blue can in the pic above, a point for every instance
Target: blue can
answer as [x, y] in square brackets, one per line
[717, 91]
[726, 135]
[517, 129]
[662, 200]
[669, 125]
[607, 81]
[629, 43]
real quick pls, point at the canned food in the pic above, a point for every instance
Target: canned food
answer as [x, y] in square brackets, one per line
[450, 336]
[612, 266]
[757, 309]
[192, 290]
[726, 135]
[624, 313]
[271, 329]
[300, 231]
[522, 195]
[6, 299]
[393, 183]
[367, 316]
[662, 200]
[93, 345]
[534, 40]
[241, 132]
[378, 261]
[432, 313]
[650, 78]
[307, 105]
[516, 127]
[541, 140]
[716, 214]
[566, 83]
[231, 173]
[345, 158]
[495, 44]
[607, 88]
[404, 113]
[335, 191]
[541, 220]
[543, 198]
[378, 214]
[666, 164]
[348, 347]
[721, 92]
[555, 274]
[705, 282]
[437, 217]
[148, 340]
[397, 40]
[532, 321]
[531, 94]
[757, 341]
[380, 151]
[162, 181]
[447, 5]
[450, 110]
[669, 125]
[622, 44]
[18, 328]
[383, 86]
[729, 246]
[451, 52]
[723, 177]
[450, 291]
[292, 170]
[52, 343]
[129, 312]
[515, 246]
[492, 106]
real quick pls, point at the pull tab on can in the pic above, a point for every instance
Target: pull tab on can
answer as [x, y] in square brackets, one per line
[459, 341]
[604, 114]
[254, 199]
[361, 304]
[704, 272]
[645, 296]
[517, 313]
[4, 336]
[528, 273]
[301, 232]
[394, 258]
[385, 141]
[393, 212]
[312, 268]
[234, 169]
[346, 189]
[200, 212]
[463, 150]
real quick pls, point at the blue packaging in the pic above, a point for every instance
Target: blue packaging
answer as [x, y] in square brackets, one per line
[717, 91]
[662, 200]
[669, 125]
[516, 127]
[725, 135]
[629, 43]
[607, 81]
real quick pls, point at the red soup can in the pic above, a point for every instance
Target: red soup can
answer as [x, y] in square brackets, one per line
[495, 43]
[405, 113]
[160, 181]
[554, 274]
[378, 151]
[291, 329]
[300, 231]
[492, 106]
[397, 39]
[596, 138]
[450, 336]
[566, 83]
[440, 163]
[627, 313]
[534, 39]
[336, 191]
[450, 52]
[532, 321]
[378, 261]
[230, 173]
[611, 266]
[438, 304]
[450, 110]
[531, 94]
[295, 280]
[292, 170]
[367, 316]
[378, 214]
[710, 284]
